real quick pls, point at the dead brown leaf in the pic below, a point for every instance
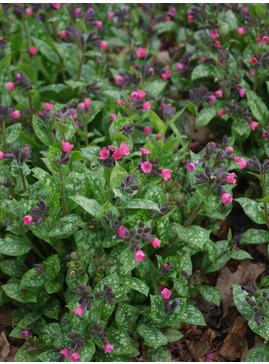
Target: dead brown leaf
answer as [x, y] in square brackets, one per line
[4, 345]
[197, 349]
[235, 345]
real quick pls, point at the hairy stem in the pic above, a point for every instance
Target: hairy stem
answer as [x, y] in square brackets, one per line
[108, 184]
[63, 194]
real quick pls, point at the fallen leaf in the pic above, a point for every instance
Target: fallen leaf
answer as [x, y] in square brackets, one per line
[4, 345]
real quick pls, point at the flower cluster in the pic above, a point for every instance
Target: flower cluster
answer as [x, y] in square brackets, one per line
[108, 157]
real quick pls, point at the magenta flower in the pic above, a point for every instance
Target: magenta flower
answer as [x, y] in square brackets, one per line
[243, 163]
[2, 155]
[112, 149]
[66, 146]
[124, 149]
[202, 59]
[258, 39]
[159, 136]
[145, 151]
[146, 106]
[63, 34]
[108, 348]
[166, 293]
[27, 219]
[74, 356]
[166, 74]
[10, 86]
[180, 67]
[121, 231]
[110, 15]
[25, 333]
[166, 174]
[231, 178]
[146, 129]
[242, 91]
[16, 114]
[226, 198]
[99, 24]
[77, 11]
[48, 106]
[251, 73]
[172, 11]
[87, 102]
[212, 99]
[103, 44]
[118, 101]
[244, 10]
[230, 149]
[253, 61]
[139, 256]
[209, 357]
[253, 125]
[79, 311]
[219, 93]
[139, 94]
[217, 43]
[117, 155]
[155, 242]
[165, 265]
[236, 159]
[221, 113]
[118, 79]
[190, 18]
[146, 167]
[191, 166]
[32, 51]
[104, 154]
[240, 31]
[29, 11]
[56, 6]
[265, 39]
[141, 52]
[65, 352]
[214, 33]
[113, 117]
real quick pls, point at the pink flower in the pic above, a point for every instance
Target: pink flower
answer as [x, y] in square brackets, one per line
[221, 113]
[146, 106]
[253, 61]
[118, 101]
[218, 93]
[139, 256]
[191, 166]
[121, 231]
[65, 352]
[66, 146]
[251, 72]
[240, 31]
[141, 52]
[217, 43]
[209, 357]
[112, 149]
[166, 74]
[74, 356]
[79, 311]
[231, 178]
[166, 293]
[152, 71]
[117, 155]
[110, 15]
[10, 86]
[212, 99]
[167, 18]
[139, 94]
[118, 78]
[172, 11]
[180, 67]
[75, 116]
[165, 266]
[16, 114]
[226, 198]
[242, 91]
[25, 333]
[202, 59]
[265, 39]
[87, 102]
[258, 39]
[29, 11]
[32, 51]
[244, 10]
[63, 34]
[236, 159]
[146, 167]
[230, 149]
[104, 154]
[253, 125]
[56, 6]
[27, 219]
[146, 129]
[159, 136]
[48, 106]
[214, 33]
[108, 348]
[124, 149]
[243, 163]
[103, 44]
[145, 151]
[264, 135]
[77, 11]
[166, 174]
[155, 242]
[76, 125]
[81, 106]
[99, 24]
[26, 148]
[2, 155]
[190, 18]
[113, 117]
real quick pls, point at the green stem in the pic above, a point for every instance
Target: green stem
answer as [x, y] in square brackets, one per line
[59, 56]
[117, 201]
[23, 179]
[4, 137]
[108, 184]
[86, 131]
[63, 194]
[193, 214]
[256, 80]
[144, 177]
[41, 256]
[265, 203]
[26, 34]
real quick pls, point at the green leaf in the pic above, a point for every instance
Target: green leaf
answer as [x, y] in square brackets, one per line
[262, 330]
[155, 87]
[139, 203]
[264, 199]
[252, 209]
[65, 226]
[11, 267]
[156, 122]
[120, 340]
[240, 254]
[14, 245]
[49, 356]
[45, 49]
[47, 180]
[255, 236]
[53, 266]
[41, 130]
[13, 132]
[222, 257]
[137, 285]
[52, 308]
[31, 279]
[152, 336]
[260, 11]
[97, 185]
[257, 107]
[161, 354]
[204, 70]
[64, 128]
[206, 115]
[193, 316]
[173, 335]
[126, 317]
[127, 259]
[258, 354]
[86, 352]
[211, 294]
[90, 206]
[13, 291]
[239, 297]
[52, 287]
[194, 235]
